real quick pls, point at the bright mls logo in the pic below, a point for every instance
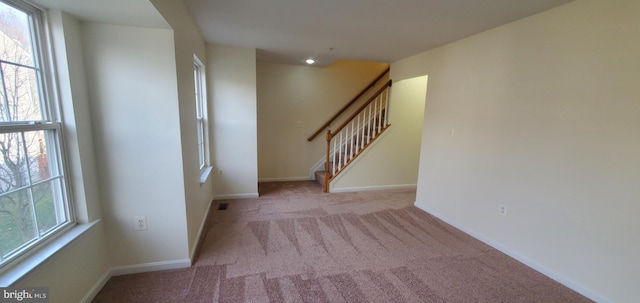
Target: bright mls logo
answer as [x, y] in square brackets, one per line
[24, 295]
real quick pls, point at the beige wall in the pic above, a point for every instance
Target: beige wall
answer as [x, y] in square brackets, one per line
[392, 162]
[232, 96]
[131, 75]
[188, 42]
[74, 272]
[546, 118]
[293, 101]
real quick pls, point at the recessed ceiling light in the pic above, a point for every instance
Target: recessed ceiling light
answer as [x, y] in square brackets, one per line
[310, 61]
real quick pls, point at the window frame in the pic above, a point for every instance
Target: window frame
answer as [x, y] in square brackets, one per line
[202, 120]
[52, 127]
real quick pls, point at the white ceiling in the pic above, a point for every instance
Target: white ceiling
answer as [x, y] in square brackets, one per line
[289, 31]
[121, 12]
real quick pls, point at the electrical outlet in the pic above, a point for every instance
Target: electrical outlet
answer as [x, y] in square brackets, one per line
[502, 210]
[141, 223]
[220, 172]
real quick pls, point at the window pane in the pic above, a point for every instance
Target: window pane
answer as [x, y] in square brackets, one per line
[201, 146]
[17, 221]
[9, 234]
[20, 98]
[4, 101]
[49, 211]
[200, 131]
[13, 163]
[38, 155]
[15, 36]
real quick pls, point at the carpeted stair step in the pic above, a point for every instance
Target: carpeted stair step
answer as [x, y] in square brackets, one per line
[320, 177]
[320, 174]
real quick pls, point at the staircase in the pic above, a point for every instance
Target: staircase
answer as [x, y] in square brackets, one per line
[357, 143]
[355, 134]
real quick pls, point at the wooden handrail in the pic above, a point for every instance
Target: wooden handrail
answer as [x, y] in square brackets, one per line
[324, 126]
[357, 112]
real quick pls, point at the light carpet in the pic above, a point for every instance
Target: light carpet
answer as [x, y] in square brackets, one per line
[297, 244]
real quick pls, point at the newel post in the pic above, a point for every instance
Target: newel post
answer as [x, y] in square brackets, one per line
[326, 163]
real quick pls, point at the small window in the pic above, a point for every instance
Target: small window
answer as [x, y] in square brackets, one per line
[201, 114]
[34, 203]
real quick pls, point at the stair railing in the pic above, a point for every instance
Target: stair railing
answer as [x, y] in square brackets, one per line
[343, 109]
[356, 133]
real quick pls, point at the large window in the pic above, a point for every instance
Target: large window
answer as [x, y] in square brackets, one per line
[201, 117]
[33, 197]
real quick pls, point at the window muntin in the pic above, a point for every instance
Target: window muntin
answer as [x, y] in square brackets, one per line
[33, 198]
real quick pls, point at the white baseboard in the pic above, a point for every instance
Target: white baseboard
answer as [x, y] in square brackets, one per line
[133, 269]
[147, 267]
[377, 187]
[194, 247]
[93, 292]
[235, 196]
[526, 261]
[287, 179]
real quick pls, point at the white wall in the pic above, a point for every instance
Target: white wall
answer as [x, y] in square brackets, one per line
[188, 42]
[546, 119]
[131, 74]
[392, 161]
[85, 260]
[72, 273]
[294, 101]
[233, 127]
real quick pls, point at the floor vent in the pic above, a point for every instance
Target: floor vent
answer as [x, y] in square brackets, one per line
[223, 206]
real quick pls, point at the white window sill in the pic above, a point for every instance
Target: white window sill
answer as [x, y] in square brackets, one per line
[205, 174]
[24, 266]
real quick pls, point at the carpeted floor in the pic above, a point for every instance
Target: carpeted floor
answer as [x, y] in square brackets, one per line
[297, 244]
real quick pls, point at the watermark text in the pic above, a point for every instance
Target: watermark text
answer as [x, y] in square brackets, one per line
[24, 294]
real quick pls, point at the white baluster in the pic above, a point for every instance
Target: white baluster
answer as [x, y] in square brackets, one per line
[333, 152]
[369, 124]
[380, 114]
[359, 143]
[386, 110]
[340, 151]
[375, 114]
[351, 137]
[346, 144]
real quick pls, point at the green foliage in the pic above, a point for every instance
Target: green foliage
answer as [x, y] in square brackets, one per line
[10, 235]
